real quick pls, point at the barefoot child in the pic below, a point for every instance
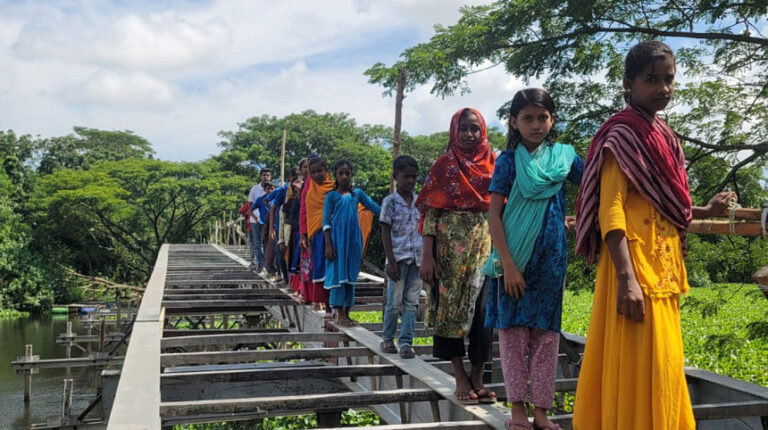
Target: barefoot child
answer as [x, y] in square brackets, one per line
[527, 266]
[633, 210]
[344, 240]
[402, 244]
[453, 205]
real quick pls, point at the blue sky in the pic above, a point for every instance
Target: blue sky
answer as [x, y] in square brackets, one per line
[179, 72]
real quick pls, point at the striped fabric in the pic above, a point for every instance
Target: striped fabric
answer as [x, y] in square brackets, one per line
[650, 155]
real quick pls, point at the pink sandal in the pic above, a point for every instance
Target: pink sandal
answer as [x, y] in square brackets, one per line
[511, 425]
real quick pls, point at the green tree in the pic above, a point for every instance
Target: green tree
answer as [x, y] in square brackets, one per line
[577, 47]
[88, 146]
[113, 218]
[24, 283]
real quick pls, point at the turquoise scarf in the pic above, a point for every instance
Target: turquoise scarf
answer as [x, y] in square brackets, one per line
[539, 176]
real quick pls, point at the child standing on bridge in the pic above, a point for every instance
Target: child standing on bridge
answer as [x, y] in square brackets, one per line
[527, 265]
[311, 223]
[453, 205]
[402, 244]
[344, 240]
[634, 209]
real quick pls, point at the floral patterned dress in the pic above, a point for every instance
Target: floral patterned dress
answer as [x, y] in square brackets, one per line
[462, 245]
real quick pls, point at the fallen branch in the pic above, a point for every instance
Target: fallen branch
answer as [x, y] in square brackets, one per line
[104, 282]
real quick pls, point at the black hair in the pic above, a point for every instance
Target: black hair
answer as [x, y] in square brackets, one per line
[466, 113]
[302, 162]
[247, 191]
[640, 56]
[317, 160]
[293, 174]
[265, 170]
[526, 97]
[403, 162]
[339, 164]
[267, 184]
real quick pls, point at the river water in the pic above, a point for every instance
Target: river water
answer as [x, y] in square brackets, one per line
[48, 384]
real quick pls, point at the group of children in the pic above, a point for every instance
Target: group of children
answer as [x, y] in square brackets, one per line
[487, 236]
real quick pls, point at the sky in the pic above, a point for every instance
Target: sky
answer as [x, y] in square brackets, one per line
[178, 72]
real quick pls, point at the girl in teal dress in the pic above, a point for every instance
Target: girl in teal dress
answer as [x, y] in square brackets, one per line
[344, 239]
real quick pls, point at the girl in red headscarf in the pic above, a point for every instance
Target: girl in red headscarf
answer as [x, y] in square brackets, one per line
[453, 205]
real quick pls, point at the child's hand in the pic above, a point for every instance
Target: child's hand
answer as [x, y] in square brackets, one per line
[570, 223]
[303, 241]
[393, 271]
[271, 234]
[629, 299]
[429, 271]
[330, 253]
[514, 283]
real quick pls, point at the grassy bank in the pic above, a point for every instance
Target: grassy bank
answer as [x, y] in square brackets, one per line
[721, 328]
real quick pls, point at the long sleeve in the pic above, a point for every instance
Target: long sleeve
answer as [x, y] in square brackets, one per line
[367, 202]
[303, 207]
[613, 196]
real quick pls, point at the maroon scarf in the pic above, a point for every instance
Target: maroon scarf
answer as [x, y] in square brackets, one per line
[651, 157]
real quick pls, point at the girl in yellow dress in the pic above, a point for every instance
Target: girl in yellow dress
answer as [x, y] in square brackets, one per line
[633, 211]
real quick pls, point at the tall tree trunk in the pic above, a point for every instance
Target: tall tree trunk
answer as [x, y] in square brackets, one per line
[402, 74]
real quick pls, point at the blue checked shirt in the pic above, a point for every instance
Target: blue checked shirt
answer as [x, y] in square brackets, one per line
[404, 226]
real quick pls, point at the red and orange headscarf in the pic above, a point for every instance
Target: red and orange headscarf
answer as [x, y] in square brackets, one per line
[459, 180]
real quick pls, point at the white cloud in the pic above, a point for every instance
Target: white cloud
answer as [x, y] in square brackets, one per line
[179, 72]
[132, 89]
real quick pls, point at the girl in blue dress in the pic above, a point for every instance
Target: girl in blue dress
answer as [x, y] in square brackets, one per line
[527, 265]
[344, 240]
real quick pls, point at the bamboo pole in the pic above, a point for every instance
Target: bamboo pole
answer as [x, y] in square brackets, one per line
[282, 162]
[719, 227]
[402, 75]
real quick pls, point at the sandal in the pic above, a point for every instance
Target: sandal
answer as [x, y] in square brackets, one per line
[388, 347]
[511, 425]
[468, 401]
[546, 427]
[485, 396]
[406, 351]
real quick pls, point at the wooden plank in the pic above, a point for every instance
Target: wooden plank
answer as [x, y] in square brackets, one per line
[56, 363]
[219, 282]
[151, 302]
[225, 305]
[451, 425]
[293, 404]
[270, 374]
[172, 332]
[233, 338]
[137, 401]
[742, 228]
[742, 409]
[257, 292]
[433, 378]
[221, 357]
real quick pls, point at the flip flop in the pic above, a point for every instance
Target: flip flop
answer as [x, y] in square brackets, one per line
[468, 401]
[485, 395]
[547, 427]
[511, 425]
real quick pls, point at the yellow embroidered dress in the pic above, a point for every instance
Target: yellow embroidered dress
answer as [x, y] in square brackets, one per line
[632, 375]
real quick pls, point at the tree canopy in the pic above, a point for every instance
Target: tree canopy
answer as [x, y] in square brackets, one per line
[577, 49]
